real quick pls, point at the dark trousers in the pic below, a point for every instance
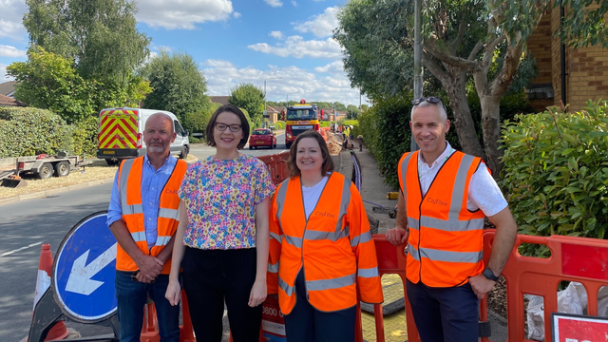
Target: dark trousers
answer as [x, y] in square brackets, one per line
[307, 324]
[131, 297]
[214, 276]
[449, 314]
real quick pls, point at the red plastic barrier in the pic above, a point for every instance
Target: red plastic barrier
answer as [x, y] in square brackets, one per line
[572, 259]
[277, 166]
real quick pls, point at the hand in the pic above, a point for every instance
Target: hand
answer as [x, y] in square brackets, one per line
[481, 285]
[258, 293]
[173, 293]
[149, 268]
[397, 236]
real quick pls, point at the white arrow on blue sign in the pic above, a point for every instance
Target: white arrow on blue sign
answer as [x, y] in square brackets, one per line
[84, 270]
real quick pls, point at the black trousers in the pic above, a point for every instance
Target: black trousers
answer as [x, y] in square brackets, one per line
[444, 314]
[214, 276]
[307, 324]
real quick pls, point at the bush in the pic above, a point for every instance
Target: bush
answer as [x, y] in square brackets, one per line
[84, 136]
[325, 123]
[279, 125]
[32, 131]
[556, 171]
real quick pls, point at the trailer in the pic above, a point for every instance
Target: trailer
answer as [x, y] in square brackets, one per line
[43, 166]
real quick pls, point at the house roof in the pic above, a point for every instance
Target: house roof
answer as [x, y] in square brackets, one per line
[6, 101]
[223, 100]
[273, 109]
[7, 87]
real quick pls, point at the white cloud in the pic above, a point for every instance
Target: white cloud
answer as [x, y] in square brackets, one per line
[296, 46]
[299, 83]
[276, 34]
[336, 67]
[3, 76]
[11, 51]
[11, 17]
[274, 3]
[320, 25]
[237, 14]
[182, 14]
[295, 4]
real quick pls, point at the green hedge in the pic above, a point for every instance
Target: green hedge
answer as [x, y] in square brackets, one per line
[556, 171]
[279, 125]
[32, 131]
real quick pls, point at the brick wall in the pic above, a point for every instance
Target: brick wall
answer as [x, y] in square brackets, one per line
[588, 75]
[556, 58]
[539, 45]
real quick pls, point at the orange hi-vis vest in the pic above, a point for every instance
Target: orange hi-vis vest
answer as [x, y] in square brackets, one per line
[334, 247]
[445, 245]
[129, 181]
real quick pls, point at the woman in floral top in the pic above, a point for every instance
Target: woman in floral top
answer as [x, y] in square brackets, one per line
[222, 239]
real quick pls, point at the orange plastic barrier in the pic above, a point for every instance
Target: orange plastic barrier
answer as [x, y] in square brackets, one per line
[277, 166]
[149, 330]
[572, 259]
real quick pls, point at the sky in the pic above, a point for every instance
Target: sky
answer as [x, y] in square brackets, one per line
[287, 42]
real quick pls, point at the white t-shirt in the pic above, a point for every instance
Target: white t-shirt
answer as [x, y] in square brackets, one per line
[484, 193]
[311, 195]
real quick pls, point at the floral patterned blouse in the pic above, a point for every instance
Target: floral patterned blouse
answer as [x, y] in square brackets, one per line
[221, 196]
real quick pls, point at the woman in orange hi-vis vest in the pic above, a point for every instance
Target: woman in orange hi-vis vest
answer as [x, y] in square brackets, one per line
[321, 248]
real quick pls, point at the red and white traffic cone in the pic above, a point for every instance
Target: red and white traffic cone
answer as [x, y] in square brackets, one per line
[43, 282]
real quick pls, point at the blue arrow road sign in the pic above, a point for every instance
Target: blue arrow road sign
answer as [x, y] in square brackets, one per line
[84, 270]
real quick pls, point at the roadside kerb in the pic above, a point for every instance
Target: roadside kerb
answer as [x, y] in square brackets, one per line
[52, 192]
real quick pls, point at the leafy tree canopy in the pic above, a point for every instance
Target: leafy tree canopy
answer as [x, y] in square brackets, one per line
[179, 86]
[249, 97]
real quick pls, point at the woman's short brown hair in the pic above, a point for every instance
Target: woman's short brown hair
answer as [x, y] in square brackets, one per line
[231, 109]
[328, 164]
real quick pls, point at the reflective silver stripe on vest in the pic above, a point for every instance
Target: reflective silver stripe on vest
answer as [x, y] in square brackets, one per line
[139, 236]
[124, 177]
[273, 268]
[280, 199]
[439, 255]
[328, 284]
[344, 202]
[363, 238]
[367, 272]
[294, 241]
[404, 166]
[162, 240]
[276, 237]
[288, 289]
[169, 213]
[318, 235]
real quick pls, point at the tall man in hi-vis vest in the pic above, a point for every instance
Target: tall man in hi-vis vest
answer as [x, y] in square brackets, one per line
[143, 216]
[445, 196]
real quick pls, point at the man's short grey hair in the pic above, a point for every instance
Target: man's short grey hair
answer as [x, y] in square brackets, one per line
[167, 117]
[443, 114]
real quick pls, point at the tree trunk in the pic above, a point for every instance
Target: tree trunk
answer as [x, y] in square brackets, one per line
[490, 123]
[454, 84]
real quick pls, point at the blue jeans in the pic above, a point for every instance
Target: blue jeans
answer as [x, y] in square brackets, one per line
[132, 295]
[444, 314]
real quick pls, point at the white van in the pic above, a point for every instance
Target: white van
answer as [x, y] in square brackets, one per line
[121, 134]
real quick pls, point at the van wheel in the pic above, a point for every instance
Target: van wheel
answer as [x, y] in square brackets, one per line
[288, 145]
[251, 147]
[184, 152]
[111, 162]
[62, 169]
[46, 171]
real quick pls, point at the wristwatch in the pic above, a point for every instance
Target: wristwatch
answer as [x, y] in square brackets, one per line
[489, 274]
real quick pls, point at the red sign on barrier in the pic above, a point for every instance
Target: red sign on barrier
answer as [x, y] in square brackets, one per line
[273, 324]
[574, 328]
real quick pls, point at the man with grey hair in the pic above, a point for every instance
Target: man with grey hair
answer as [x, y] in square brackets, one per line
[143, 216]
[444, 199]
